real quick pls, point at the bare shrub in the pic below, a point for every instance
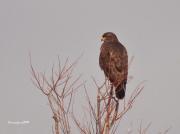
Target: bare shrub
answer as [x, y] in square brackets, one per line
[105, 115]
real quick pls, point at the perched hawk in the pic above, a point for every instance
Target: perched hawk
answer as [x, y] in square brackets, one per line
[113, 60]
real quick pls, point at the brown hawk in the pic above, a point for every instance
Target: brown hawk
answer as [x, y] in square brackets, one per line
[113, 60]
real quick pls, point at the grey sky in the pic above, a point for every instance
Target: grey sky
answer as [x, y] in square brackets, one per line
[148, 28]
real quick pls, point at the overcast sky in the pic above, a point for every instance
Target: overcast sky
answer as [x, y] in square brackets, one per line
[149, 29]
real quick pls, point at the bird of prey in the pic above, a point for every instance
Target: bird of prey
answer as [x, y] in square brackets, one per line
[113, 60]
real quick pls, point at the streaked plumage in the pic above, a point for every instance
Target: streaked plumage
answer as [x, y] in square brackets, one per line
[113, 60]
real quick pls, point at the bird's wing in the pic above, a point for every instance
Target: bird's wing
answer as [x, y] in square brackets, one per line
[104, 57]
[120, 58]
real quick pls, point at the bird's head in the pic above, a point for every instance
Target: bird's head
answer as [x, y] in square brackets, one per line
[109, 37]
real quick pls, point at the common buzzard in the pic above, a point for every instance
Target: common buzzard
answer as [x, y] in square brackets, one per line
[113, 60]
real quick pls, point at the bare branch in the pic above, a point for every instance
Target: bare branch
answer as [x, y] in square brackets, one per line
[104, 116]
[59, 90]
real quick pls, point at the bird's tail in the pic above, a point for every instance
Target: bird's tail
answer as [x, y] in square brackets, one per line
[121, 90]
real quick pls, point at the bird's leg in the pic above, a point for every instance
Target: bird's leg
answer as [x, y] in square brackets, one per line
[111, 90]
[116, 100]
[110, 95]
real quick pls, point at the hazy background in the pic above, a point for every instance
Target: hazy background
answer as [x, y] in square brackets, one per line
[150, 30]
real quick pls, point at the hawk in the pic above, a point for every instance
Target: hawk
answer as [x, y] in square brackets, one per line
[113, 60]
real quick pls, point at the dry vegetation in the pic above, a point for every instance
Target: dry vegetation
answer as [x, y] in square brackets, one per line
[60, 88]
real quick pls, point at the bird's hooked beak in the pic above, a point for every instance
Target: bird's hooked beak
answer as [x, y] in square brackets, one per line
[102, 38]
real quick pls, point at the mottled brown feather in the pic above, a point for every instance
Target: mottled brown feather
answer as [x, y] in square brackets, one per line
[113, 60]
